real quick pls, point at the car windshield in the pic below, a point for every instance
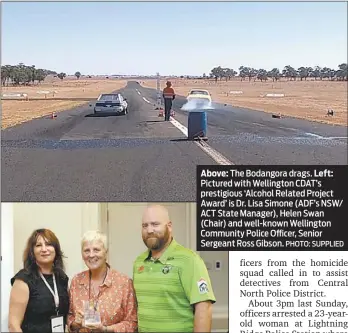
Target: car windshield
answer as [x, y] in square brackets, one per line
[199, 92]
[109, 97]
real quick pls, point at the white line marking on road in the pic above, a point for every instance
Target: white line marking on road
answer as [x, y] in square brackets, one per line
[288, 128]
[146, 100]
[179, 126]
[315, 135]
[259, 124]
[318, 137]
[330, 137]
[215, 155]
[138, 91]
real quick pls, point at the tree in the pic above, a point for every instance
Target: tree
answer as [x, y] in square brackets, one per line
[325, 73]
[341, 74]
[304, 72]
[288, 72]
[40, 75]
[6, 74]
[78, 75]
[262, 75]
[274, 74]
[22, 74]
[228, 73]
[216, 72]
[61, 75]
[316, 72]
[242, 73]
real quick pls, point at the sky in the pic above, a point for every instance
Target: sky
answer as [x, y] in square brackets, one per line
[172, 38]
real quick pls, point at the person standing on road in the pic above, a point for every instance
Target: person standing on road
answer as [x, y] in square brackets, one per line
[168, 96]
[171, 282]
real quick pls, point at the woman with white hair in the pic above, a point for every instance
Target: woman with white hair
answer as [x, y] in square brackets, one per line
[103, 290]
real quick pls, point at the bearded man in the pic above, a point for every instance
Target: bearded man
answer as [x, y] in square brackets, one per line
[171, 282]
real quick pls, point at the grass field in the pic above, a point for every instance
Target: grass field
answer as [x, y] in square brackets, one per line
[302, 99]
[68, 93]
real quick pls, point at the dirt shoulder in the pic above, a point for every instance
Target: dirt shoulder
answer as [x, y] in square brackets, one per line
[302, 99]
[52, 95]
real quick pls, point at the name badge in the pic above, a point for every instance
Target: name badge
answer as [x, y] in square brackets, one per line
[57, 324]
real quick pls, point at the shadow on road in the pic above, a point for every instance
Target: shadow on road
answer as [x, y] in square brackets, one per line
[101, 115]
[153, 121]
[180, 140]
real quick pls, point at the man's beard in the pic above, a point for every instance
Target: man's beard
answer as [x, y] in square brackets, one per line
[157, 243]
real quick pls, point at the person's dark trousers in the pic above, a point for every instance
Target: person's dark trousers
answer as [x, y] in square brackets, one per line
[167, 107]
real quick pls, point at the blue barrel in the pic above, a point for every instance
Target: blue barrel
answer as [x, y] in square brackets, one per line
[197, 124]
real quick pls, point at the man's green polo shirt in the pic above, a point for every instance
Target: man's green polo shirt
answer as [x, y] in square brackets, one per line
[167, 288]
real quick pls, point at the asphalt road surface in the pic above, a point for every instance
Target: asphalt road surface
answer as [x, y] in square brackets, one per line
[139, 157]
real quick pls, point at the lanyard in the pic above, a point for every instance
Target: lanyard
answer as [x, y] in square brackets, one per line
[55, 293]
[89, 291]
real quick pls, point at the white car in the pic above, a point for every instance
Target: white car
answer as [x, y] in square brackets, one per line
[199, 95]
[111, 103]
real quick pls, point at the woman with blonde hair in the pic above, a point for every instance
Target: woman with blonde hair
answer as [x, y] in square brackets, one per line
[39, 300]
[101, 289]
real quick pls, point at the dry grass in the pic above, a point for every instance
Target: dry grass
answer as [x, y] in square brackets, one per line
[307, 99]
[69, 93]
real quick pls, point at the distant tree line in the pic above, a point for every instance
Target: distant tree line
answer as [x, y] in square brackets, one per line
[289, 72]
[22, 74]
